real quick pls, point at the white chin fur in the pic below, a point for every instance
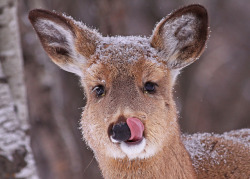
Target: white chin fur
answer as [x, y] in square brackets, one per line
[140, 150]
[133, 151]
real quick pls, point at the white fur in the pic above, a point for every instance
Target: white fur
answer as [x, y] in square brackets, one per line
[132, 151]
[113, 140]
[141, 150]
[174, 74]
[171, 43]
[149, 151]
[50, 28]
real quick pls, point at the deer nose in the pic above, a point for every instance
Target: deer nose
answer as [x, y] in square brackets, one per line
[121, 132]
[129, 131]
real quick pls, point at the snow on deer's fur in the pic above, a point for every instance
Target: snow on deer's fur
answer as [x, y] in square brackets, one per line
[130, 120]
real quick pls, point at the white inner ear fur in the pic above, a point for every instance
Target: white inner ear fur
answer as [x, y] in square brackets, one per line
[186, 26]
[63, 38]
[174, 73]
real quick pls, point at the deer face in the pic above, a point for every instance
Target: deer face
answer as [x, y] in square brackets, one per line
[124, 81]
[128, 81]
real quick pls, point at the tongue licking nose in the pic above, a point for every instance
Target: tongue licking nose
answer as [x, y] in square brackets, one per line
[129, 131]
[136, 129]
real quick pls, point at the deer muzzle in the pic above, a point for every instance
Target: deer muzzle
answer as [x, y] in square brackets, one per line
[130, 131]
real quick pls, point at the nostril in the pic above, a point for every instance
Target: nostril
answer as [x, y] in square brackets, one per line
[121, 132]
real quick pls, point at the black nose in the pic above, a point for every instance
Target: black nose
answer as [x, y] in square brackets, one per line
[121, 132]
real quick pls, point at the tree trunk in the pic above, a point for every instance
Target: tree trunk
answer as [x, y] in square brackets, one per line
[16, 158]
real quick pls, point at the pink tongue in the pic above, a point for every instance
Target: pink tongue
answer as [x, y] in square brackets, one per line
[136, 128]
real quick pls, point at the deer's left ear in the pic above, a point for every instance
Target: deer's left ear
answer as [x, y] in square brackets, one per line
[181, 37]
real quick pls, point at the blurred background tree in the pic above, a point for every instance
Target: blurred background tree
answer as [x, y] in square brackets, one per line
[213, 94]
[16, 158]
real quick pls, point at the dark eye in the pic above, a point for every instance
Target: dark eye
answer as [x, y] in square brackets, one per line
[99, 90]
[149, 87]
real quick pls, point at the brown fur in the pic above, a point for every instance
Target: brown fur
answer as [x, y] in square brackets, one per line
[123, 66]
[221, 156]
[154, 167]
[155, 123]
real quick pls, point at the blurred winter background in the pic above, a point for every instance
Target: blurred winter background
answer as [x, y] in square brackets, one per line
[213, 94]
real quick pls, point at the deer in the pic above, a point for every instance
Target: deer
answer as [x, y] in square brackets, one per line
[130, 119]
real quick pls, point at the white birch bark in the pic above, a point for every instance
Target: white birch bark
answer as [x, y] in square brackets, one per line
[16, 158]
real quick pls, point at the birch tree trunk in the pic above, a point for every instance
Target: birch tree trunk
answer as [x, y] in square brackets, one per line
[16, 158]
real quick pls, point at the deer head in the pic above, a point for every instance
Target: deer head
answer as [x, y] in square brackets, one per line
[128, 81]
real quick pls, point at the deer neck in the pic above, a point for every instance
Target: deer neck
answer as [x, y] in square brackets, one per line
[172, 161]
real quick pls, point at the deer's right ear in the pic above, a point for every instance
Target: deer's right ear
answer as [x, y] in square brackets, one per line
[67, 42]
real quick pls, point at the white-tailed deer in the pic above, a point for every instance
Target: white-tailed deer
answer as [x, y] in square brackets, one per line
[130, 119]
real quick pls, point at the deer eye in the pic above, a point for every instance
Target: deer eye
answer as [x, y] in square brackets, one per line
[99, 90]
[149, 87]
